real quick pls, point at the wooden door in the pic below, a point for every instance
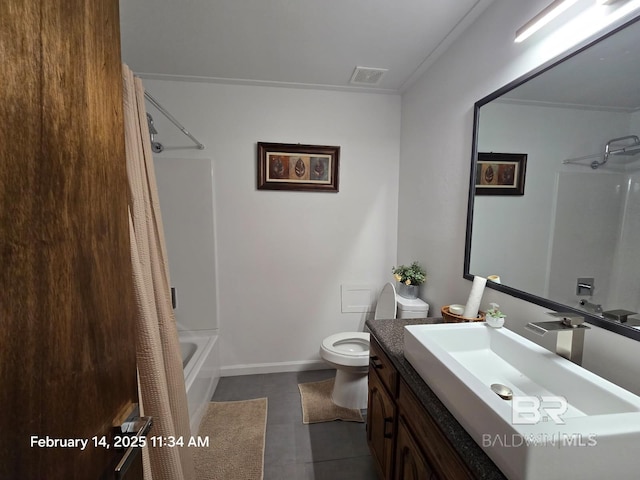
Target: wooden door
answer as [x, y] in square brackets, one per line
[67, 354]
[410, 463]
[381, 413]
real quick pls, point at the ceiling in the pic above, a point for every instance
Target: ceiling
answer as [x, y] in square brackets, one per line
[291, 42]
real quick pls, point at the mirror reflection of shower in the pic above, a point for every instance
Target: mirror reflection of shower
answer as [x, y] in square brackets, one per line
[591, 307]
[629, 145]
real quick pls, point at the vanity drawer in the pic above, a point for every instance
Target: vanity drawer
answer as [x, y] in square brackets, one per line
[435, 446]
[379, 362]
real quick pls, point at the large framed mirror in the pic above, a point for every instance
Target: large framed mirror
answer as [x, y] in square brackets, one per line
[569, 238]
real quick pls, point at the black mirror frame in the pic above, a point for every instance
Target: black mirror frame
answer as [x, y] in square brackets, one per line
[610, 325]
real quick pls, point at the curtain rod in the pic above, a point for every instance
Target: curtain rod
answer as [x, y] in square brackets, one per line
[172, 119]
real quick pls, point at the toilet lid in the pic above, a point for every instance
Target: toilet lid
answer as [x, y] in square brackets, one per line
[386, 307]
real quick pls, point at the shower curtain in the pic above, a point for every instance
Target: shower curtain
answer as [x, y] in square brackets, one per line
[161, 379]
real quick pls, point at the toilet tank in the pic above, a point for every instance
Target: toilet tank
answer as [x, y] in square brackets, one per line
[412, 308]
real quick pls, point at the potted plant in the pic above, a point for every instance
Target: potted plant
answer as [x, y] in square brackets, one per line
[494, 317]
[409, 278]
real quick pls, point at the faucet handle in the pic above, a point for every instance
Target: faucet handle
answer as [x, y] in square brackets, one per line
[569, 319]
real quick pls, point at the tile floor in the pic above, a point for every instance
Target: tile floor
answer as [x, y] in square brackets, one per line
[294, 451]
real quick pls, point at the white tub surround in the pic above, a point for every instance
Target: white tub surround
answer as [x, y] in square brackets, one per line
[201, 371]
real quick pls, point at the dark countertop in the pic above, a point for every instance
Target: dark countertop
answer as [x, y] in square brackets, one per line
[390, 336]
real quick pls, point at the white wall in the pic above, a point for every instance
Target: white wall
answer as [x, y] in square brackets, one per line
[437, 120]
[635, 124]
[282, 256]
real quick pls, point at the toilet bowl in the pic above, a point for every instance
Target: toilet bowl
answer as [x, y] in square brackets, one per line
[348, 353]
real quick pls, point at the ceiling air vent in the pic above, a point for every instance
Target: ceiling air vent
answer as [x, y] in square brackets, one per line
[367, 76]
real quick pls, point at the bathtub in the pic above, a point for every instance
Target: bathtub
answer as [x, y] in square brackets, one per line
[201, 371]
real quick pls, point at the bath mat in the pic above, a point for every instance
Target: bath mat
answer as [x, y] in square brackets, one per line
[317, 405]
[236, 432]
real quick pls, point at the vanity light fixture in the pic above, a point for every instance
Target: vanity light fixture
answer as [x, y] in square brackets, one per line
[554, 9]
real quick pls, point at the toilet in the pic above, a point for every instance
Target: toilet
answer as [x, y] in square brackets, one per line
[348, 352]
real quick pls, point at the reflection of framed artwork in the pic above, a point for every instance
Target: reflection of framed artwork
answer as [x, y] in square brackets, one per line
[501, 173]
[298, 167]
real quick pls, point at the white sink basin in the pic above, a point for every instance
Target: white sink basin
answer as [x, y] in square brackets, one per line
[600, 433]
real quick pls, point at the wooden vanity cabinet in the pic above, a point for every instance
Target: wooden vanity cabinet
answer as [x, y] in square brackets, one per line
[381, 411]
[404, 440]
[433, 446]
[410, 463]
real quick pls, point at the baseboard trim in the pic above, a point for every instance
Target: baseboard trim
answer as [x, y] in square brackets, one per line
[279, 367]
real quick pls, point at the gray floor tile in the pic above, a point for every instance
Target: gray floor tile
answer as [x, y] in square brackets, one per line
[355, 468]
[358, 435]
[284, 407]
[295, 451]
[290, 471]
[280, 446]
[314, 375]
[239, 388]
[330, 441]
[281, 382]
[304, 453]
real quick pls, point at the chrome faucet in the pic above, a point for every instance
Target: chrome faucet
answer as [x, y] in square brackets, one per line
[570, 328]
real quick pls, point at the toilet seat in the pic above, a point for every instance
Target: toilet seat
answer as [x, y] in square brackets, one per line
[350, 349]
